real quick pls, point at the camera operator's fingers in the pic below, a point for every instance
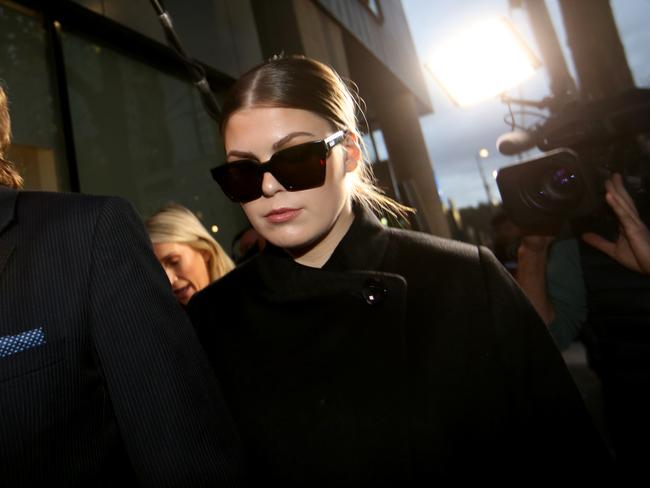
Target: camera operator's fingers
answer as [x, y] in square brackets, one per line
[616, 187]
[600, 243]
[619, 251]
[627, 215]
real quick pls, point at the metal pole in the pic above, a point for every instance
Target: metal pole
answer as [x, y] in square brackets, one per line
[488, 192]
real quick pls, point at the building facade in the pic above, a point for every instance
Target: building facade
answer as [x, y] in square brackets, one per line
[101, 105]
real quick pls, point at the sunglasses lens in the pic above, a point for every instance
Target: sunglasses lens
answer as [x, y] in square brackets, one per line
[241, 181]
[296, 168]
[300, 167]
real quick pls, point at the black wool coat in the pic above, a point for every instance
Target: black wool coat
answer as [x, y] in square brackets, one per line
[406, 359]
[102, 379]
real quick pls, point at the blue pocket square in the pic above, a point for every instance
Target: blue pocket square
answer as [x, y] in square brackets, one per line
[21, 342]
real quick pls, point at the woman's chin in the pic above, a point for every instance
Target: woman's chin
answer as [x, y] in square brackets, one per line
[290, 245]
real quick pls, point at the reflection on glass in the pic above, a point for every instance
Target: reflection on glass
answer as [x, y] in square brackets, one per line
[37, 149]
[380, 145]
[144, 135]
[370, 148]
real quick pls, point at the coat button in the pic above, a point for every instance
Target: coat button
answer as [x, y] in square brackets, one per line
[374, 291]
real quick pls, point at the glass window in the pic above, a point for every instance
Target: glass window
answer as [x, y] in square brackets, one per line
[144, 135]
[25, 74]
[370, 148]
[380, 145]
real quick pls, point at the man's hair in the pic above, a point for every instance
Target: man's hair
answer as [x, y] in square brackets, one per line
[8, 174]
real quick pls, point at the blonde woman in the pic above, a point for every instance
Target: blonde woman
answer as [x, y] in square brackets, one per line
[190, 256]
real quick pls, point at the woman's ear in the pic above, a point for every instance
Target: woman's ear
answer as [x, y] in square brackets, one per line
[352, 152]
[206, 255]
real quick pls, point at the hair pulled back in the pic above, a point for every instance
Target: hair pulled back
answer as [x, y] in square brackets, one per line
[302, 83]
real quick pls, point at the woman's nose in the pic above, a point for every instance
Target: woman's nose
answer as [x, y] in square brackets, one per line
[171, 276]
[270, 186]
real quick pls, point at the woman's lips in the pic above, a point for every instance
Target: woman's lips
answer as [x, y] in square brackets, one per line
[184, 292]
[280, 215]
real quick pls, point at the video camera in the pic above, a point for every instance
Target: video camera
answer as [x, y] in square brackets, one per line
[585, 143]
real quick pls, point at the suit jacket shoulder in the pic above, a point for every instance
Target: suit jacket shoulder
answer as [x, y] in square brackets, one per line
[134, 394]
[68, 210]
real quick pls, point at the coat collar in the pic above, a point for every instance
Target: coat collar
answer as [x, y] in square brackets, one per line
[363, 246]
[361, 250]
[8, 199]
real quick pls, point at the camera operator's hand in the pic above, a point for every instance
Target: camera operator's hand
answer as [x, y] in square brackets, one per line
[632, 249]
[532, 258]
[535, 244]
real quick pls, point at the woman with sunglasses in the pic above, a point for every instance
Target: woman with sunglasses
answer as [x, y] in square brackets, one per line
[358, 355]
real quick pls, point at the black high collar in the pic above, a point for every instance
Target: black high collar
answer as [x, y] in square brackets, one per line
[360, 252]
[362, 247]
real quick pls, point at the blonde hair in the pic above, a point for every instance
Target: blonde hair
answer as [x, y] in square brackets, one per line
[304, 83]
[175, 223]
[8, 174]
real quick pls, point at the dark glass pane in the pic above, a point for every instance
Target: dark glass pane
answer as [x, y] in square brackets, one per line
[26, 76]
[144, 135]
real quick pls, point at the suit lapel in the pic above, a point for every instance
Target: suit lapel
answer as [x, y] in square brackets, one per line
[7, 208]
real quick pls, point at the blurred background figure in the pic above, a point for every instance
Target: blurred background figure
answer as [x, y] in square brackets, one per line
[246, 244]
[506, 240]
[552, 275]
[549, 272]
[190, 256]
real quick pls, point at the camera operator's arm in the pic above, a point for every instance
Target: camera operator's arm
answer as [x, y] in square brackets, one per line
[532, 258]
[632, 248]
[551, 277]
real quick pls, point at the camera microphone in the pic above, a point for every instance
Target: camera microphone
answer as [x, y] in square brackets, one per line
[515, 142]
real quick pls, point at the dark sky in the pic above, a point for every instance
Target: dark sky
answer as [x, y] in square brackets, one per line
[454, 135]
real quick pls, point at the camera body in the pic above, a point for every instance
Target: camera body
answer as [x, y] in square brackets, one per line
[585, 144]
[540, 194]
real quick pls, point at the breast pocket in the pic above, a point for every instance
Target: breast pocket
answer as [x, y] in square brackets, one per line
[27, 352]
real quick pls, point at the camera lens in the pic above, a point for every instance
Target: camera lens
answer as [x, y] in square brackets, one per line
[561, 183]
[555, 189]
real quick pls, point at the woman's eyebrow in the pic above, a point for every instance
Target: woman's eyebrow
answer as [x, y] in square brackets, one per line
[168, 256]
[276, 145]
[288, 137]
[241, 154]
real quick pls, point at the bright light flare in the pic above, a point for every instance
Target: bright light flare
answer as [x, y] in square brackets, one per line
[483, 62]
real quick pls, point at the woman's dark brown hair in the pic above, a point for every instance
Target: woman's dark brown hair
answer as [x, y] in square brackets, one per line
[8, 174]
[303, 83]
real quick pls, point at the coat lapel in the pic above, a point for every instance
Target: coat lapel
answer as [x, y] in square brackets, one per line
[7, 208]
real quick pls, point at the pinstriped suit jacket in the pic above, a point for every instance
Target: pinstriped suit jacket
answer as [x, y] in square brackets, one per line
[102, 380]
